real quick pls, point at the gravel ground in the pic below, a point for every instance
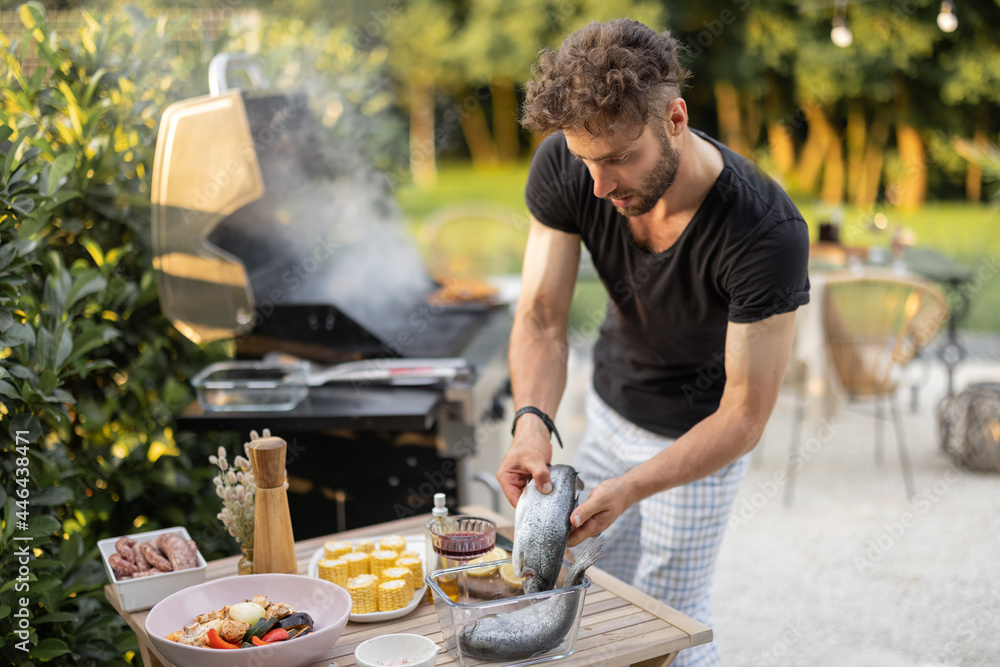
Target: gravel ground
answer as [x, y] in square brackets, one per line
[852, 574]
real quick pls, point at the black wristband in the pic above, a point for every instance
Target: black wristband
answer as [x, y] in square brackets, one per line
[528, 409]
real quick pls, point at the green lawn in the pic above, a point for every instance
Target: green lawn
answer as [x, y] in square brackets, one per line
[460, 182]
[970, 234]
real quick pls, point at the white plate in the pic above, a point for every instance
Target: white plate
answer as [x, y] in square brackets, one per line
[413, 543]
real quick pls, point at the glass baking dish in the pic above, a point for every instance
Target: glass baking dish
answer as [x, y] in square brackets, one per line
[465, 595]
[252, 386]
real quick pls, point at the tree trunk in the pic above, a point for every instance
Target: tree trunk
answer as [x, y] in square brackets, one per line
[782, 147]
[974, 173]
[423, 163]
[912, 187]
[477, 135]
[779, 137]
[505, 128]
[752, 123]
[833, 171]
[874, 158]
[857, 131]
[816, 148]
[727, 102]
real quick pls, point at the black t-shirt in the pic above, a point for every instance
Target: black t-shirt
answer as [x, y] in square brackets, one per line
[659, 360]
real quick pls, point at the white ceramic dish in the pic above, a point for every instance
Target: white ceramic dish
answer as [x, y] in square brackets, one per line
[413, 543]
[329, 606]
[397, 649]
[144, 592]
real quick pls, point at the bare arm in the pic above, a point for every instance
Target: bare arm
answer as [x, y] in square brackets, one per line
[538, 351]
[756, 358]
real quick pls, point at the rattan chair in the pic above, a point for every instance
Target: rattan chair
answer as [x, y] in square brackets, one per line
[474, 240]
[875, 324]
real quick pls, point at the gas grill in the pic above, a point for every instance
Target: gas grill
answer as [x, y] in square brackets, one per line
[259, 239]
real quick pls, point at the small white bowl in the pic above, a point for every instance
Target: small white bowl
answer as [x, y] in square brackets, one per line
[415, 650]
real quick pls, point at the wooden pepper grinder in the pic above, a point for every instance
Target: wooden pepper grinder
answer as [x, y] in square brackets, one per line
[273, 543]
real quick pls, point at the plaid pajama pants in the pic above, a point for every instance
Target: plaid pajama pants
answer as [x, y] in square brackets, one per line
[667, 544]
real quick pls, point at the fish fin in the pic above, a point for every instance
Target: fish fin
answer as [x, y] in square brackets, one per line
[591, 554]
[521, 568]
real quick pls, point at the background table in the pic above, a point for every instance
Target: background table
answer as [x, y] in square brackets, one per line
[620, 626]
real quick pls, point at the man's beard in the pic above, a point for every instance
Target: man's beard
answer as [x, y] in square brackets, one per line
[655, 183]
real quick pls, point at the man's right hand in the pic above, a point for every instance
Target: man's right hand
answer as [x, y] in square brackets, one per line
[527, 458]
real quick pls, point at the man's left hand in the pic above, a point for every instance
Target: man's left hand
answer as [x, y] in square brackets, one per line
[607, 502]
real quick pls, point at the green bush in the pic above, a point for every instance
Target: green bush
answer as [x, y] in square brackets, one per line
[92, 375]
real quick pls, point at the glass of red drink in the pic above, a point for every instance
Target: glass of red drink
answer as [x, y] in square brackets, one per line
[462, 539]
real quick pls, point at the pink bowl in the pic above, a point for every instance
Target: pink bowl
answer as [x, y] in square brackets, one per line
[328, 604]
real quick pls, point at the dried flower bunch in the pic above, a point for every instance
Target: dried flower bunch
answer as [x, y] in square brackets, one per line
[234, 484]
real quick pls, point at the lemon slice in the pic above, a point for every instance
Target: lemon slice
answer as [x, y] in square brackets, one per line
[496, 554]
[507, 574]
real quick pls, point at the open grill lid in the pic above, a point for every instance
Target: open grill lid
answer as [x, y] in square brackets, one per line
[199, 177]
[255, 239]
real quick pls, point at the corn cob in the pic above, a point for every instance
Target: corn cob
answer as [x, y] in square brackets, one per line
[363, 590]
[395, 543]
[357, 563]
[334, 549]
[366, 546]
[381, 559]
[394, 594]
[334, 571]
[416, 567]
[397, 572]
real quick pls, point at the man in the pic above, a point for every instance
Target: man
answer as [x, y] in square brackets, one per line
[704, 259]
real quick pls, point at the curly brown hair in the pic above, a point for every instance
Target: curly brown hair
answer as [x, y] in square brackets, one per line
[606, 77]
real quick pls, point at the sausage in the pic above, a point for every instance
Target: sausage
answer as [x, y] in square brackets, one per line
[178, 551]
[124, 547]
[154, 557]
[122, 568]
[167, 553]
[140, 560]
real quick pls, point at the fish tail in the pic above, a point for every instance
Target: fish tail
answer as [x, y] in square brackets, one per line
[591, 554]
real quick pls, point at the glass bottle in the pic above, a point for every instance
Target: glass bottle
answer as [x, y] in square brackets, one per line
[434, 560]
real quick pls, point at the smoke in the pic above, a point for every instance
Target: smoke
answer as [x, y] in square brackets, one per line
[326, 230]
[347, 248]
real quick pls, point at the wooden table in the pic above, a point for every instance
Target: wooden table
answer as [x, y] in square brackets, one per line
[620, 626]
